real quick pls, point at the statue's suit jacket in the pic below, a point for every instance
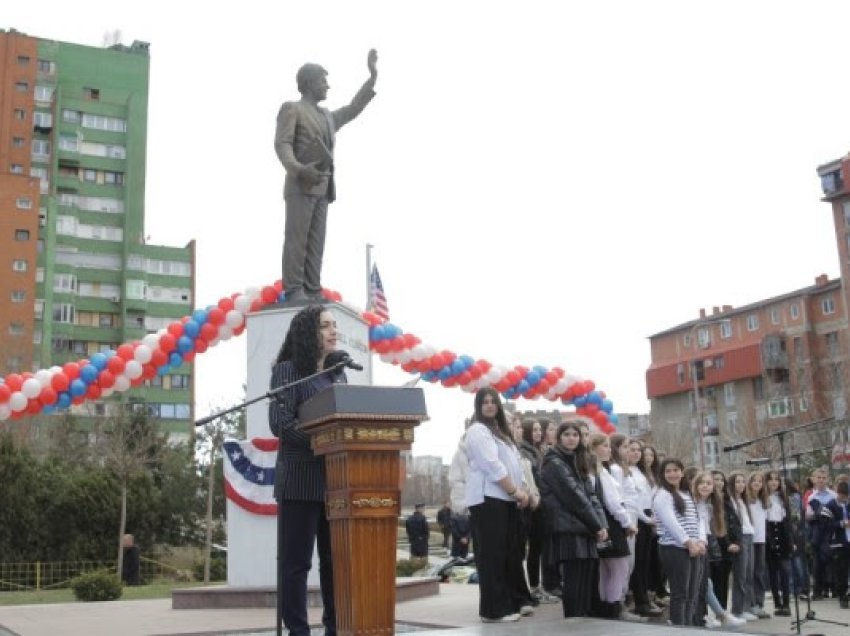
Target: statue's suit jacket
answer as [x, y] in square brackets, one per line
[300, 125]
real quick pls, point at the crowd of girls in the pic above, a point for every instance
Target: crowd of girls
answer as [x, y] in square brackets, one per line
[600, 520]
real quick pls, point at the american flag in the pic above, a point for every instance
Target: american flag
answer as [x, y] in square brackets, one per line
[377, 300]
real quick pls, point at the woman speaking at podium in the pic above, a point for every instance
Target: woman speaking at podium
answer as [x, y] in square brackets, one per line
[299, 474]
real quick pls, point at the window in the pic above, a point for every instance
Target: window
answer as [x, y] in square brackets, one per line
[752, 322]
[16, 329]
[687, 340]
[90, 175]
[91, 93]
[780, 407]
[23, 203]
[69, 115]
[136, 289]
[42, 120]
[719, 362]
[69, 142]
[63, 312]
[831, 340]
[774, 316]
[113, 178]
[66, 283]
[20, 114]
[179, 381]
[795, 311]
[23, 60]
[36, 337]
[13, 363]
[46, 66]
[798, 348]
[39, 309]
[105, 320]
[827, 305]
[725, 329]
[703, 337]
[16, 168]
[712, 452]
[102, 122]
[709, 423]
[43, 93]
[804, 403]
[22, 235]
[40, 148]
[18, 295]
[732, 423]
[729, 394]
[19, 265]
[680, 373]
[18, 142]
[22, 87]
[758, 389]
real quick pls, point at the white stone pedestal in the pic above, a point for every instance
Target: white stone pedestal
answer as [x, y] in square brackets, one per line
[252, 538]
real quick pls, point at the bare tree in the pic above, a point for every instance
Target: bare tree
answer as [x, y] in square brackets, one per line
[127, 444]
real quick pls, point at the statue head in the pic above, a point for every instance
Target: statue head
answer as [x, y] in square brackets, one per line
[312, 78]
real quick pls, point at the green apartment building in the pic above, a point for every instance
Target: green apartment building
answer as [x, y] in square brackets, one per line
[78, 277]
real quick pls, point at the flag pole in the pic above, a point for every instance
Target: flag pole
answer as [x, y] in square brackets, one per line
[369, 247]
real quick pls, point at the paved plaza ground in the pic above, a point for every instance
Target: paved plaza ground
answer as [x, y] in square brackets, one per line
[453, 611]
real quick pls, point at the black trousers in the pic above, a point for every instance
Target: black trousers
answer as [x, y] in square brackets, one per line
[536, 522]
[720, 571]
[779, 574]
[639, 583]
[304, 523]
[501, 579]
[580, 584]
[841, 569]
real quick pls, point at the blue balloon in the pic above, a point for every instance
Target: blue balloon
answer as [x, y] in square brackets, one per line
[199, 316]
[377, 333]
[99, 361]
[163, 369]
[580, 402]
[468, 361]
[594, 398]
[48, 409]
[445, 373]
[522, 387]
[78, 387]
[607, 406]
[185, 344]
[191, 329]
[88, 373]
[532, 378]
[281, 297]
[175, 359]
[110, 353]
[541, 370]
[63, 401]
[458, 366]
[613, 418]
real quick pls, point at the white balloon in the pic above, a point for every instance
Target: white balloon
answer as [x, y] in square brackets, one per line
[107, 392]
[143, 353]
[44, 376]
[5, 412]
[419, 352]
[560, 385]
[224, 332]
[55, 369]
[404, 356]
[18, 401]
[133, 369]
[242, 303]
[122, 383]
[31, 388]
[252, 292]
[151, 340]
[234, 318]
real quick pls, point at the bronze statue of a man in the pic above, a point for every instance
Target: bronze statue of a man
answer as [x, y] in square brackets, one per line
[304, 142]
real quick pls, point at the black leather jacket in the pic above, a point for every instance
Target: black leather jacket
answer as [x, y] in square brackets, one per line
[571, 502]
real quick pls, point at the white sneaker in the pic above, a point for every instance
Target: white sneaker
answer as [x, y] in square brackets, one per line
[510, 618]
[732, 621]
[710, 623]
[749, 617]
[526, 610]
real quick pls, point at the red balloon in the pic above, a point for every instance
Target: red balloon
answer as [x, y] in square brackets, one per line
[269, 295]
[551, 377]
[383, 346]
[256, 305]
[167, 342]
[410, 340]
[449, 382]
[475, 371]
[78, 400]
[215, 316]
[34, 407]
[115, 365]
[513, 377]
[397, 344]
[189, 356]
[48, 396]
[437, 362]
[175, 329]
[137, 381]
[502, 385]
[5, 393]
[278, 285]
[601, 418]
[238, 331]
[14, 382]
[158, 358]
[148, 371]
[589, 385]
[448, 356]
[93, 392]
[410, 367]
[484, 366]
[201, 345]
[59, 382]
[591, 409]
[106, 379]
[208, 331]
[464, 378]
[523, 371]
[542, 386]
[423, 366]
[225, 304]
[125, 352]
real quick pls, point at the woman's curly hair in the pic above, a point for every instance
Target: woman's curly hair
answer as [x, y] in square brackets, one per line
[301, 345]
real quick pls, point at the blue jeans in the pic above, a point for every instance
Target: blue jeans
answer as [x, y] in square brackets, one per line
[799, 573]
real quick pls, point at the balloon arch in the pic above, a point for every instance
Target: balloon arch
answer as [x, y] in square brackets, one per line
[57, 388]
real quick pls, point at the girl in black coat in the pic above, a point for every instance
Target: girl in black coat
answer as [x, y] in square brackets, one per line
[575, 518]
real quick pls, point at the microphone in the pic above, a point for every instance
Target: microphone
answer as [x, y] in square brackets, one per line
[336, 357]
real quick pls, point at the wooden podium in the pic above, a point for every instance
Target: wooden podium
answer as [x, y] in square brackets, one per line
[361, 430]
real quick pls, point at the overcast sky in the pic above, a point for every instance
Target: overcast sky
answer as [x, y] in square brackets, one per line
[545, 183]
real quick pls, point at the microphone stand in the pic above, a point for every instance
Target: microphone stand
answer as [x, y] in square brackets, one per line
[780, 435]
[275, 394]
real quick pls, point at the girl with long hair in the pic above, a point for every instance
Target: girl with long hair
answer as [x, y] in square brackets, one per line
[299, 474]
[575, 517]
[720, 569]
[649, 465]
[681, 541]
[495, 494]
[779, 543]
[738, 516]
[710, 508]
[531, 449]
[645, 548]
[758, 514]
[799, 561]
[614, 557]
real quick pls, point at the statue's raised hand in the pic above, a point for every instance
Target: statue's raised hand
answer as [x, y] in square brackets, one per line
[372, 62]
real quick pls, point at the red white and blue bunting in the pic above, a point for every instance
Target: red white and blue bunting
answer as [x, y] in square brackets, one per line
[249, 474]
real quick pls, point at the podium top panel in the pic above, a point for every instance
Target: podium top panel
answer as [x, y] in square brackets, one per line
[364, 402]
